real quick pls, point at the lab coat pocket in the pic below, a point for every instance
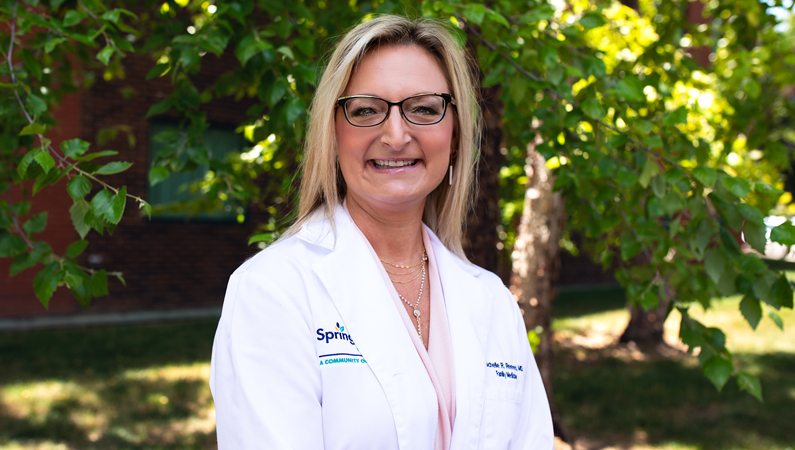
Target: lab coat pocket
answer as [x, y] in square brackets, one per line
[501, 414]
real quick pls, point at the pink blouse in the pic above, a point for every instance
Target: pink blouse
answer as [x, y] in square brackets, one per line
[438, 359]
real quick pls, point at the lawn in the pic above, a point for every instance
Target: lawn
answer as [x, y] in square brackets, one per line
[145, 386]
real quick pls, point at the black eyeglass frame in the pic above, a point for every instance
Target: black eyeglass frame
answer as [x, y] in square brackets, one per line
[448, 100]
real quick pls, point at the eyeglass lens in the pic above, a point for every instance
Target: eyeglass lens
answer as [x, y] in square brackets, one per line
[421, 110]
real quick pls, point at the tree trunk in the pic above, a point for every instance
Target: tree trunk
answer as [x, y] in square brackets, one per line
[645, 328]
[481, 227]
[536, 265]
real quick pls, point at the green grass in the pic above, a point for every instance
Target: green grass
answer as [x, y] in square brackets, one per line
[611, 395]
[131, 387]
[145, 386]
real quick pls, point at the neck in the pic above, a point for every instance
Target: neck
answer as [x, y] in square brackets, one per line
[396, 236]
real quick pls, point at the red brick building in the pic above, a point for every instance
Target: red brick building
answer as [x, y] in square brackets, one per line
[168, 263]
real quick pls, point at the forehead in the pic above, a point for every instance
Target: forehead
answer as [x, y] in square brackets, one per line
[396, 72]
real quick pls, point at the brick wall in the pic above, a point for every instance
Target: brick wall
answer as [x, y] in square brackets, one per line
[167, 265]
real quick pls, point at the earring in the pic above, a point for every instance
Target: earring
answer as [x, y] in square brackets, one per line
[451, 169]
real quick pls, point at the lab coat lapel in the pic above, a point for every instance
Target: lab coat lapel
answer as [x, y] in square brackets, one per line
[468, 302]
[369, 313]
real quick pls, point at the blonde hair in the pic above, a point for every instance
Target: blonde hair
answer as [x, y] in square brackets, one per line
[322, 185]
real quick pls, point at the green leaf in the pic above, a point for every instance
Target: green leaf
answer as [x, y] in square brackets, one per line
[630, 249]
[737, 186]
[626, 177]
[277, 92]
[190, 58]
[36, 224]
[783, 234]
[146, 207]
[706, 229]
[35, 105]
[157, 174]
[42, 156]
[264, 237]
[751, 310]
[285, 50]
[93, 156]
[595, 67]
[74, 147]
[475, 13]
[658, 186]
[101, 204]
[781, 292]
[776, 319]
[246, 49]
[705, 175]
[715, 263]
[593, 109]
[45, 283]
[295, 107]
[117, 206]
[99, 283]
[112, 15]
[78, 187]
[73, 17]
[755, 236]
[24, 163]
[750, 384]
[113, 167]
[11, 245]
[158, 71]
[555, 74]
[497, 17]
[518, 88]
[617, 141]
[52, 43]
[159, 108]
[751, 213]
[33, 128]
[22, 262]
[630, 88]
[76, 248]
[718, 370]
[649, 300]
[672, 203]
[104, 55]
[592, 19]
[677, 116]
[650, 169]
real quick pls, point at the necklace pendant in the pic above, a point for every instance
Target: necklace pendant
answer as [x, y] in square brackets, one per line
[417, 313]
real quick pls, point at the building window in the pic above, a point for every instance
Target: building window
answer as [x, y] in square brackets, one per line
[179, 197]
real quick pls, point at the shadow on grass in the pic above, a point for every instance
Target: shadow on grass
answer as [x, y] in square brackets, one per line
[102, 351]
[576, 301]
[612, 401]
[83, 394]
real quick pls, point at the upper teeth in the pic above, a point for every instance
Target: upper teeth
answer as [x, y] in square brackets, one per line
[390, 163]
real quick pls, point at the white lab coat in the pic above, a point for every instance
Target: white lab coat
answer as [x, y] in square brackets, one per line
[284, 377]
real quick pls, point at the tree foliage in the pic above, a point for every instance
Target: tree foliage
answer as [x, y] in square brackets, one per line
[668, 167]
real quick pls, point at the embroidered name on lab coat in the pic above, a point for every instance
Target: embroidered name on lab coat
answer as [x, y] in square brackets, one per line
[505, 370]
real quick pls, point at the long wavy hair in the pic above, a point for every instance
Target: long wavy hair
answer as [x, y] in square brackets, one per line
[322, 184]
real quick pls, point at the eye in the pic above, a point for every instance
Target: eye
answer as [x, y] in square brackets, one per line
[362, 112]
[425, 110]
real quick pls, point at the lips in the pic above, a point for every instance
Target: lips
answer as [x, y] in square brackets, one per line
[392, 164]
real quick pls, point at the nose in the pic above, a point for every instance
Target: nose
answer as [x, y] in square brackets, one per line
[395, 131]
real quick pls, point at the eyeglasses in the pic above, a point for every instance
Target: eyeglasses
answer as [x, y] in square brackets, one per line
[369, 111]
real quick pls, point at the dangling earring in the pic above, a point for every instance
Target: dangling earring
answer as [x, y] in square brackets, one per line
[451, 169]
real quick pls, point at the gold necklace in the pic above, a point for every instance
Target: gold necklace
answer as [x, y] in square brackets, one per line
[424, 257]
[417, 303]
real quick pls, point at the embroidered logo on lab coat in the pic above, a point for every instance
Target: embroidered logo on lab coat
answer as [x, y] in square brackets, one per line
[339, 334]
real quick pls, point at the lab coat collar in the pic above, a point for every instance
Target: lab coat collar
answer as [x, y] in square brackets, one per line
[357, 289]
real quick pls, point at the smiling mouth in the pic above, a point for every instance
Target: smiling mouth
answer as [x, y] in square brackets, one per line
[389, 164]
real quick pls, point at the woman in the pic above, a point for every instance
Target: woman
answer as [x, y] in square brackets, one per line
[364, 328]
